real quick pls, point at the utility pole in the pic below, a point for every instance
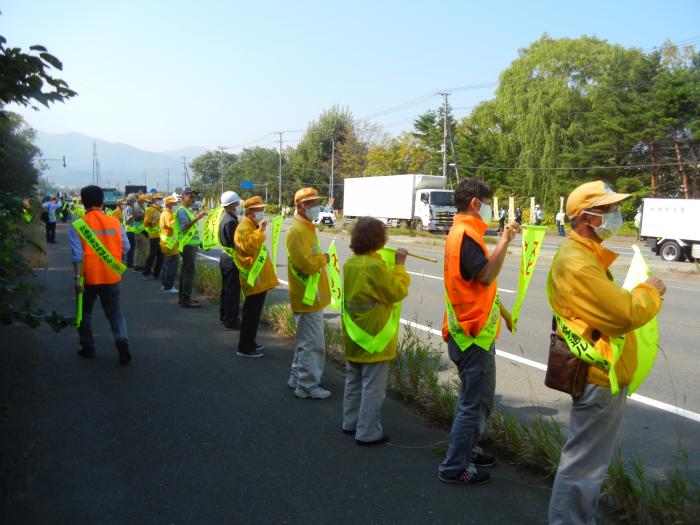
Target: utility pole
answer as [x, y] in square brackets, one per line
[330, 191]
[221, 167]
[185, 174]
[279, 172]
[444, 95]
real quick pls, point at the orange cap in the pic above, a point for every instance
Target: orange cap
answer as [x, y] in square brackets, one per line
[254, 202]
[305, 194]
[590, 195]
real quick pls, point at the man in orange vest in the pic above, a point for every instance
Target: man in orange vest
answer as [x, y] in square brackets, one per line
[99, 245]
[470, 327]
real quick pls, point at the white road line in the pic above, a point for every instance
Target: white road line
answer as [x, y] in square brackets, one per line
[682, 412]
[504, 290]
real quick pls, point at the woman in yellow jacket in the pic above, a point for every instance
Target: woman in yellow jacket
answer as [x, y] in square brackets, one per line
[250, 247]
[168, 245]
[370, 327]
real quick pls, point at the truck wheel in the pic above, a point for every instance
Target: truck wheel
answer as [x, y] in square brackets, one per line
[417, 224]
[671, 251]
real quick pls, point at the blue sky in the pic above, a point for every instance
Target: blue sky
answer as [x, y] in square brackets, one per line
[165, 75]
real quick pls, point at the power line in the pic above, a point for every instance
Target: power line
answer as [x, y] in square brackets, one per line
[580, 168]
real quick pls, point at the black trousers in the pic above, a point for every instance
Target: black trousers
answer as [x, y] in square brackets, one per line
[252, 310]
[109, 297]
[132, 249]
[230, 303]
[50, 232]
[189, 258]
[154, 256]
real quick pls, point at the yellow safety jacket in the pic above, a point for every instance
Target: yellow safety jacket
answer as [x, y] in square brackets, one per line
[306, 257]
[582, 291]
[371, 289]
[151, 222]
[248, 240]
[167, 233]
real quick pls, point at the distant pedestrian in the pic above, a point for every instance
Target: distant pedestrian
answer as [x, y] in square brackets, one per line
[251, 255]
[370, 328]
[128, 220]
[309, 293]
[596, 318]
[169, 245]
[52, 207]
[519, 215]
[187, 229]
[539, 215]
[470, 327]
[141, 237]
[502, 220]
[96, 269]
[230, 303]
[560, 219]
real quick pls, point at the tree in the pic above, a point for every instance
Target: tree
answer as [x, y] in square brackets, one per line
[207, 170]
[402, 154]
[17, 155]
[24, 76]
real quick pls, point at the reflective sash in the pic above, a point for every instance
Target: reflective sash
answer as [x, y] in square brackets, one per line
[585, 351]
[79, 304]
[249, 276]
[96, 245]
[27, 216]
[484, 338]
[310, 283]
[373, 343]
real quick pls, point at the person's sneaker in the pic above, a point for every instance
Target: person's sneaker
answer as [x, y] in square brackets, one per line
[380, 441]
[171, 290]
[123, 349]
[87, 351]
[316, 392]
[292, 382]
[259, 347]
[481, 458]
[190, 303]
[470, 476]
[255, 353]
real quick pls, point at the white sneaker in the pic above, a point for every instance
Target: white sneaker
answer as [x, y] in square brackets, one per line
[292, 382]
[172, 290]
[315, 393]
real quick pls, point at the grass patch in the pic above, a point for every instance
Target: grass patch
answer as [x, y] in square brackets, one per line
[35, 232]
[207, 279]
[281, 318]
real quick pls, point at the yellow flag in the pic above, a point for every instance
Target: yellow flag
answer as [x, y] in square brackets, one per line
[647, 335]
[275, 227]
[334, 280]
[532, 244]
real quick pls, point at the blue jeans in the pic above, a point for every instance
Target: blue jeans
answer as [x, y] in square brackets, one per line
[477, 374]
[562, 233]
[109, 298]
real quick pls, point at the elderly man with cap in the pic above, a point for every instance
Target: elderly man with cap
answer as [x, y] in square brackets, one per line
[257, 275]
[187, 231]
[118, 212]
[309, 294]
[230, 304]
[151, 224]
[169, 245]
[592, 311]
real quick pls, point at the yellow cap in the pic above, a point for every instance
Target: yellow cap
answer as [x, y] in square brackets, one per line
[144, 198]
[591, 195]
[305, 194]
[157, 196]
[254, 202]
[170, 200]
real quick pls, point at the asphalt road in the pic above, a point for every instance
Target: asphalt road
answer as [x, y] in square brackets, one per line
[647, 430]
[190, 433]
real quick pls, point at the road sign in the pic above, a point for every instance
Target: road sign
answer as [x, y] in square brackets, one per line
[247, 185]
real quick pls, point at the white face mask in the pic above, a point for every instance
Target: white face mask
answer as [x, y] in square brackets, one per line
[485, 212]
[259, 216]
[313, 213]
[159, 204]
[612, 222]
[238, 209]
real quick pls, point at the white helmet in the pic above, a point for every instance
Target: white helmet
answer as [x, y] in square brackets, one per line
[229, 197]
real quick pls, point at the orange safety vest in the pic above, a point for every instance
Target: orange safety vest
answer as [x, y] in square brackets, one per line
[108, 230]
[470, 299]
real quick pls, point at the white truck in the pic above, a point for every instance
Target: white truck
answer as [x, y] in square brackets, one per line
[671, 228]
[412, 200]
